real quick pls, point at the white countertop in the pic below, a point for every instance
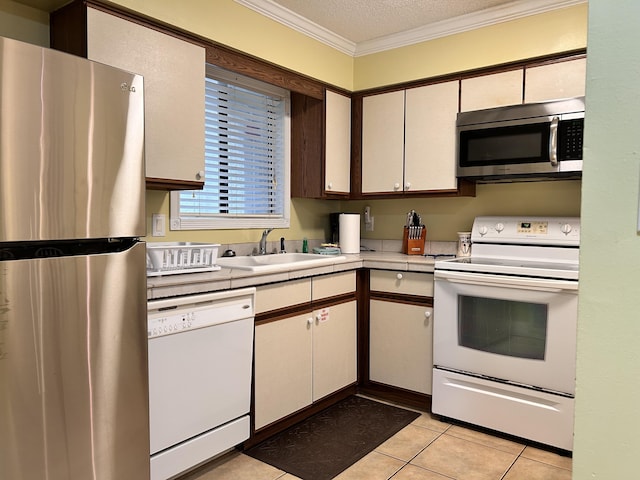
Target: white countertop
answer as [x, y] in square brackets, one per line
[225, 278]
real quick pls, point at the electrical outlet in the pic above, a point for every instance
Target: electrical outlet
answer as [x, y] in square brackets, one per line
[368, 226]
[158, 222]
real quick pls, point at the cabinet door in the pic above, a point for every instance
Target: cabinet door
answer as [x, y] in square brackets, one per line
[283, 368]
[430, 137]
[337, 143]
[383, 142]
[556, 80]
[174, 78]
[488, 91]
[400, 345]
[334, 348]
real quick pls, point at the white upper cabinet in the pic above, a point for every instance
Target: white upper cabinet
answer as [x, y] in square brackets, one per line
[337, 143]
[494, 90]
[430, 137]
[555, 80]
[383, 142]
[174, 75]
[408, 139]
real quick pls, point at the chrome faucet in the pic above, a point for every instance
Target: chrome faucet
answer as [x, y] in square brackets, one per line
[263, 241]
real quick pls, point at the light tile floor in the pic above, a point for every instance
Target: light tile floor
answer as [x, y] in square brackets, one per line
[426, 449]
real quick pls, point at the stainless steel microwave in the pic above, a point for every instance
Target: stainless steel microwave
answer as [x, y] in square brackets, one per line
[521, 142]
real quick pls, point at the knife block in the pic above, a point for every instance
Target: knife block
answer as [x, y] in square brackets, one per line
[413, 246]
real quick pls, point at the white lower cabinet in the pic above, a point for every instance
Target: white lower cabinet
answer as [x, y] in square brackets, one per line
[303, 357]
[400, 345]
[283, 368]
[334, 348]
[401, 330]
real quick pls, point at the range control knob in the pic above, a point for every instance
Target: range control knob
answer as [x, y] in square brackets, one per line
[499, 227]
[566, 229]
[483, 230]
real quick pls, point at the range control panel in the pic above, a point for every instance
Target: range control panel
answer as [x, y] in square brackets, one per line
[560, 231]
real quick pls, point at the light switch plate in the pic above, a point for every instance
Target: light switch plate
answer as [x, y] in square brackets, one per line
[158, 222]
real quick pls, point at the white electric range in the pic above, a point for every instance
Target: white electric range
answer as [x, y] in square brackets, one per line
[505, 322]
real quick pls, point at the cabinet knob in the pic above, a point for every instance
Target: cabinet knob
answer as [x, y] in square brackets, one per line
[329, 186]
[399, 276]
[200, 175]
[310, 321]
[427, 314]
[396, 186]
[407, 185]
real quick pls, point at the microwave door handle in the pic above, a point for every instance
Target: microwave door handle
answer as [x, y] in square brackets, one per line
[553, 142]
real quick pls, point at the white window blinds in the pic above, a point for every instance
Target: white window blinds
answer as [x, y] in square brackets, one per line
[246, 156]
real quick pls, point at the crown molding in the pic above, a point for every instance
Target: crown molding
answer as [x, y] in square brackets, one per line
[297, 22]
[491, 16]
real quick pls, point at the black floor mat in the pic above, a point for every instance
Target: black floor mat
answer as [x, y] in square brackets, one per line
[325, 444]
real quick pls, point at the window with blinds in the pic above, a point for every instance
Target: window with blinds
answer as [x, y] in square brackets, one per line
[246, 157]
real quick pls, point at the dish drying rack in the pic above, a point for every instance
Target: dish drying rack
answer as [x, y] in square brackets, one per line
[170, 258]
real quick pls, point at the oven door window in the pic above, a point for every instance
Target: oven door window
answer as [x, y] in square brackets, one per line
[504, 327]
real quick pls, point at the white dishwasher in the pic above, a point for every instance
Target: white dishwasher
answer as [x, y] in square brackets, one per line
[200, 360]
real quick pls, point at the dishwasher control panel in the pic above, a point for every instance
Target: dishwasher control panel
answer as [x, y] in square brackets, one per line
[165, 325]
[181, 314]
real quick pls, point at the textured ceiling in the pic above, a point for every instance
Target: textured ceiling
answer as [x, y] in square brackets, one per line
[361, 20]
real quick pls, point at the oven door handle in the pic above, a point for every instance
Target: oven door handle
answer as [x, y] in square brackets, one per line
[488, 280]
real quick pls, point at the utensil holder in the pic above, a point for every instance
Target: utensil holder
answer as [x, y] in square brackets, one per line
[413, 246]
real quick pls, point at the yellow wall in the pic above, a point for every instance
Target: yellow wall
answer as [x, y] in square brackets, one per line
[24, 23]
[444, 217]
[229, 23]
[552, 32]
[239, 27]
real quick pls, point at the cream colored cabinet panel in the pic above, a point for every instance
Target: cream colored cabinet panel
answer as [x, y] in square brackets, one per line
[383, 142]
[334, 348]
[337, 143]
[430, 137]
[174, 76]
[332, 285]
[556, 80]
[400, 348]
[281, 295]
[494, 90]
[407, 283]
[283, 368]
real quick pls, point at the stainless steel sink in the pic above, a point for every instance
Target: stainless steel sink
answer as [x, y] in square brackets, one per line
[277, 262]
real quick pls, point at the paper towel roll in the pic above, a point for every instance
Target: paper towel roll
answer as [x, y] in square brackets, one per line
[349, 224]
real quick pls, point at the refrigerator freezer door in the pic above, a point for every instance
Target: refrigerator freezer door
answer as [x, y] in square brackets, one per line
[71, 147]
[73, 368]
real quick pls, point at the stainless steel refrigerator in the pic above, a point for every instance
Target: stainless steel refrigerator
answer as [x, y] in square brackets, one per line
[73, 341]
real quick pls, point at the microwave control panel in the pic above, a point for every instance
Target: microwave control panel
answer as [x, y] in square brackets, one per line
[570, 134]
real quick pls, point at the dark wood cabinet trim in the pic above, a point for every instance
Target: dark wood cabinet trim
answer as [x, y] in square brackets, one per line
[401, 298]
[153, 183]
[419, 401]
